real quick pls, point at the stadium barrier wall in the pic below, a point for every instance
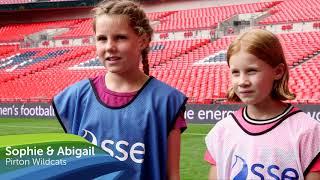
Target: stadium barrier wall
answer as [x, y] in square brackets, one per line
[195, 113]
[212, 113]
[26, 110]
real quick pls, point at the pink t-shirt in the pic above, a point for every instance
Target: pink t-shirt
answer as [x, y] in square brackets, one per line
[116, 99]
[246, 122]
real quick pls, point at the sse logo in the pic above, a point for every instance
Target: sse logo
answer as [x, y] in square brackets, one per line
[135, 153]
[259, 170]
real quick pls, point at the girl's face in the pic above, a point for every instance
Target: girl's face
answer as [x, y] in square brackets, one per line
[118, 46]
[252, 79]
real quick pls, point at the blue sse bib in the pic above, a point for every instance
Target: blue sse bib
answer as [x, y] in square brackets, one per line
[135, 133]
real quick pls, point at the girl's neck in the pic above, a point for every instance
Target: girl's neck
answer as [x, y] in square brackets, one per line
[127, 82]
[266, 110]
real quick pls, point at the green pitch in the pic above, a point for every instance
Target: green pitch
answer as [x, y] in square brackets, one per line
[192, 146]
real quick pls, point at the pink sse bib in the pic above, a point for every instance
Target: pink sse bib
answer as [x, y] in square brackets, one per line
[275, 149]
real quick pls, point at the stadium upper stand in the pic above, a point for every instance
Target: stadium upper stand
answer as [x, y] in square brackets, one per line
[294, 11]
[17, 32]
[207, 17]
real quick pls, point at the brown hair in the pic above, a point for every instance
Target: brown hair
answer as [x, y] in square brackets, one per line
[137, 19]
[267, 47]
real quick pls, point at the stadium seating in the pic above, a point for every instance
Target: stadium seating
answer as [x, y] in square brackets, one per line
[29, 61]
[42, 80]
[17, 32]
[197, 67]
[294, 11]
[174, 62]
[203, 82]
[6, 49]
[299, 46]
[166, 50]
[153, 16]
[82, 29]
[203, 18]
[305, 81]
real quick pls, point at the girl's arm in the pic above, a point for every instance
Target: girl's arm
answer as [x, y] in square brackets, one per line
[173, 162]
[313, 176]
[213, 173]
